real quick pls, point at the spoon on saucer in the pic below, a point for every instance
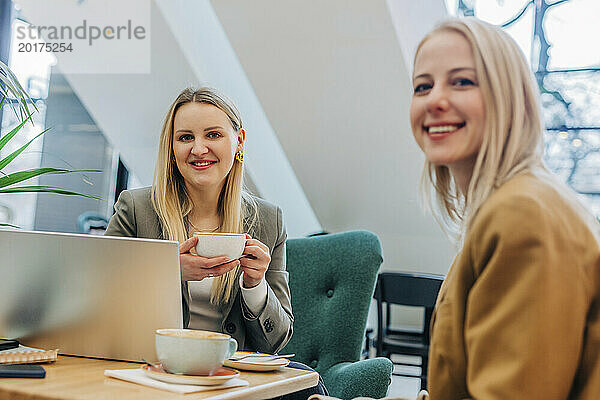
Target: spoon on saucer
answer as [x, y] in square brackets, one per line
[263, 357]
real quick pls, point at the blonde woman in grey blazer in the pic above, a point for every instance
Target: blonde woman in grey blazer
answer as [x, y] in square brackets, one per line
[198, 187]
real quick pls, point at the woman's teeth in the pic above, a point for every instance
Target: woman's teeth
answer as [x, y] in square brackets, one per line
[444, 128]
[202, 163]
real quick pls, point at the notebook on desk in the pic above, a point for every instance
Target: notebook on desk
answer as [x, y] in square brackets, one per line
[27, 355]
[88, 295]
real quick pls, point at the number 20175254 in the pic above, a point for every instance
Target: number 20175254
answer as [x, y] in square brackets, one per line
[41, 47]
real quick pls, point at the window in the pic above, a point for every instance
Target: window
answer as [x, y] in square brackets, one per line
[568, 75]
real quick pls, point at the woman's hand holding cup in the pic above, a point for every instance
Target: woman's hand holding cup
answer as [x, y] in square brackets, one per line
[196, 268]
[255, 261]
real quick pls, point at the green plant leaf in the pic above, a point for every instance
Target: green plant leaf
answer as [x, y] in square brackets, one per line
[6, 138]
[47, 189]
[13, 93]
[11, 86]
[12, 226]
[6, 160]
[21, 176]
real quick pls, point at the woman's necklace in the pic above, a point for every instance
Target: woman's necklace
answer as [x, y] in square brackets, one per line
[196, 229]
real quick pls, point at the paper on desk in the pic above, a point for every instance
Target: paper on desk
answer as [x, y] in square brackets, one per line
[138, 376]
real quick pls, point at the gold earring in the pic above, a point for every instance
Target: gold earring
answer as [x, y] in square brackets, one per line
[240, 157]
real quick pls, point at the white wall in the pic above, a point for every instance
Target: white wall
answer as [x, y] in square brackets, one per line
[333, 79]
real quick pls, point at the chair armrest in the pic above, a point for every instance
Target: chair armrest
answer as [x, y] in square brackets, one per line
[367, 378]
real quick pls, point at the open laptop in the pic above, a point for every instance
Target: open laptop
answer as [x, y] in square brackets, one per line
[88, 295]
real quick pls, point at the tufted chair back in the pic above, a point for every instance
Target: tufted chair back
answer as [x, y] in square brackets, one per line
[332, 279]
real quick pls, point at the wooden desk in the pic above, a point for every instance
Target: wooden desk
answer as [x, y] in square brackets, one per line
[83, 378]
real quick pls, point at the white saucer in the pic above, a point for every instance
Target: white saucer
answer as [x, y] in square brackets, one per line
[219, 377]
[254, 363]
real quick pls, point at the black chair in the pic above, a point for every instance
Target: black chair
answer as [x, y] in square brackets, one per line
[407, 289]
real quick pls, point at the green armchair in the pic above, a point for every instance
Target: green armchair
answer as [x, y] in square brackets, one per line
[332, 279]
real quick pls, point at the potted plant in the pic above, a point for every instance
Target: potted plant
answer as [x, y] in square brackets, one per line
[13, 95]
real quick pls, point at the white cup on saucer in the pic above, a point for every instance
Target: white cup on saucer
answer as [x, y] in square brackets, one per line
[193, 352]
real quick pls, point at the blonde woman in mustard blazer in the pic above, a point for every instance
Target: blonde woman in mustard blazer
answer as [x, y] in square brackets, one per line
[518, 316]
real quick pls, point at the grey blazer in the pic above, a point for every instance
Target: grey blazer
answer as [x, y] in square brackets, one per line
[267, 332]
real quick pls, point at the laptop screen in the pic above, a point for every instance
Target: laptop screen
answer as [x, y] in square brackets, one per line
[88, 295]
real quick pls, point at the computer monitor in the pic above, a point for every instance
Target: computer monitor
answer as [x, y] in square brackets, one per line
[88, 295]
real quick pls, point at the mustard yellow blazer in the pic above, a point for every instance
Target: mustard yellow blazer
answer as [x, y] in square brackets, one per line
[518, 316]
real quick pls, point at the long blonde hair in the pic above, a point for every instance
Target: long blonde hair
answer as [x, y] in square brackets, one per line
[169, 194]
[513, 131]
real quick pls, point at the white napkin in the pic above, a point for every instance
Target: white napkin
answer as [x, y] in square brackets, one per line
[139, 376]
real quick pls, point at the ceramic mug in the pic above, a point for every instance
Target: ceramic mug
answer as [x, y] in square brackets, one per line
[216, 244]
[193, 352]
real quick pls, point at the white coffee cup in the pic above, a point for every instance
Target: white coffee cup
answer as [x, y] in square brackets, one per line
[215, 244]
[193, 352]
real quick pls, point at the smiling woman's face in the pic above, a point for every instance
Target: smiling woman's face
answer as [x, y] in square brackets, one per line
[204, 145]
[447, 112]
